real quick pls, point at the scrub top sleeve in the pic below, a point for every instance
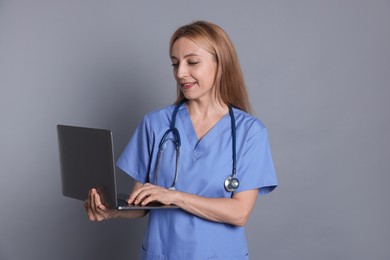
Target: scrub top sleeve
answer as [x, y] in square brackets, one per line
[255, 168]
[135, 159]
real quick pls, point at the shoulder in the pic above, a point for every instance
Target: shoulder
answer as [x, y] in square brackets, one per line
[248, 123]
[159, 115]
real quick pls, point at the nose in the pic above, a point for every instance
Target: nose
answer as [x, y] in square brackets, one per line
[181, 71]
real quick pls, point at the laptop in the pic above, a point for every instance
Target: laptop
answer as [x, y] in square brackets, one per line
[87, 161]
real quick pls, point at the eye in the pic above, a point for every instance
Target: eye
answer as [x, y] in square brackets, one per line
[175, 65]
[193, 63]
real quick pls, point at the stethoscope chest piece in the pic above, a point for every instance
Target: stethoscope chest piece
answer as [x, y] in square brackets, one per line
[231, 183]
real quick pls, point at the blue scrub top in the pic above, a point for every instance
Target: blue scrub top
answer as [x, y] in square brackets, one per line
[203, 167]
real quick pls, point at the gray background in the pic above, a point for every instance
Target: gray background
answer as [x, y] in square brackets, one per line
[317, 74]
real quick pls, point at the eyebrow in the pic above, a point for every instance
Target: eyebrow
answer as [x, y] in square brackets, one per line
[185, 56]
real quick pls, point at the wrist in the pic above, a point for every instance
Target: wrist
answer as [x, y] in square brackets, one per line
[177, 198]
[116, 214]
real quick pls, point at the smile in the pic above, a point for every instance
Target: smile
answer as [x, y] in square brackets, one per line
[187, 85]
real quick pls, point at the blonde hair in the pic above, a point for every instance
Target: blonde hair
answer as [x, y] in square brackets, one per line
[229, 82]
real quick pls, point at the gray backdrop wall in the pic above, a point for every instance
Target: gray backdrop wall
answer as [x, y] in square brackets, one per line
[318, 77]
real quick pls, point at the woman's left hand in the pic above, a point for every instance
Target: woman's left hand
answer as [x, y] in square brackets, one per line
[151, 193]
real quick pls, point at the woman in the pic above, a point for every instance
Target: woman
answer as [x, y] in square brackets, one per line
[214, 202]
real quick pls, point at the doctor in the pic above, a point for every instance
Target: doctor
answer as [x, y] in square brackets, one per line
[211, 110]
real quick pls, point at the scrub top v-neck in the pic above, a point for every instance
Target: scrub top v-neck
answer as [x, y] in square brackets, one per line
[204, 165]
[200, 145]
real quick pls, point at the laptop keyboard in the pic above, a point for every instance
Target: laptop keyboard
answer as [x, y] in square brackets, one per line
[122, 202]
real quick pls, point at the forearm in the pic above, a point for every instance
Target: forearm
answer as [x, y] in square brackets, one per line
[235, 211]
[130, 214]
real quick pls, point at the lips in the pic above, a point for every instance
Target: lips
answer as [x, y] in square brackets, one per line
[187, 85]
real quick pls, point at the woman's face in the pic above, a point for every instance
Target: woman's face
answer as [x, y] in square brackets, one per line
[194, 69]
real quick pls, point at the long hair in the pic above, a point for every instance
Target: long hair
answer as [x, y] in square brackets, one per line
[229, 82]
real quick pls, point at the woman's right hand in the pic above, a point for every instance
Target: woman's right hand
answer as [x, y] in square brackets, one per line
[96, 211]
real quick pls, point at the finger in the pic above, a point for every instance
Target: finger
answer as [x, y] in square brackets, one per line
[160, 195]
[101, 214]
[100, 208]
[147, 200]
[90, 200]
[151, 195]
[95, 202]
[136, 193]
[91, 215]
[137, 188]
[88, 205]
[156, 197]
[144, 194]
[154, 194]
[101, 211]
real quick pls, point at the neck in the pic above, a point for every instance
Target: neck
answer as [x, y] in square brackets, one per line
[206, 109]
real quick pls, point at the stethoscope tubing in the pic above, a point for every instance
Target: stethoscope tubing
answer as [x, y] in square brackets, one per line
[177, 140]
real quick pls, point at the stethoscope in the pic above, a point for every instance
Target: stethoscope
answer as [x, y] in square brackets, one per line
[231, 183]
